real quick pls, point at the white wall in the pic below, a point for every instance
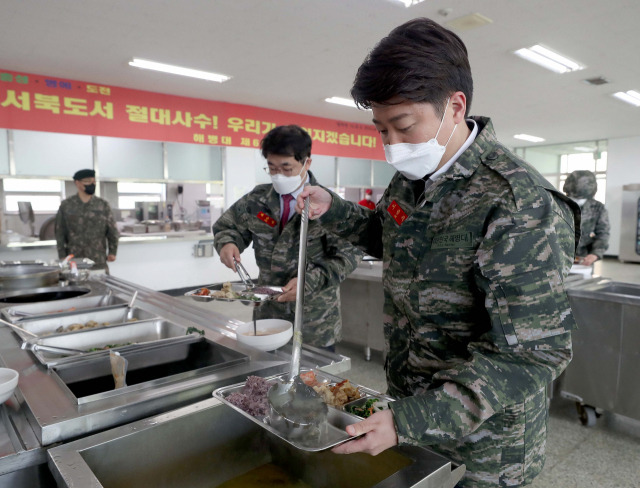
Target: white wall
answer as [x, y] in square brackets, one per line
[238, 167]
[623, 168]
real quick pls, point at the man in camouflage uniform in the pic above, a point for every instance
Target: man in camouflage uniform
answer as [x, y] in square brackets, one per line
[85, 224]
[259, 217]
[581, 186]
[475, 246]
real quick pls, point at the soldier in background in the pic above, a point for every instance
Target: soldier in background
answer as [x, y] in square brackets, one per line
[581, 186]
[266, 217]
[476, 245]
[85, 226]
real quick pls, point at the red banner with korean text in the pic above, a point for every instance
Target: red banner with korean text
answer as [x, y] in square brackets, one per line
[41, 103]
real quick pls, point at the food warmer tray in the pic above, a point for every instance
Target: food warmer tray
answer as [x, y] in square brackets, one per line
[337, 417]
[257, 299]
[131, 336]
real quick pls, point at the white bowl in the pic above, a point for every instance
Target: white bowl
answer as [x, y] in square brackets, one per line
[8, 383]
[272, 334]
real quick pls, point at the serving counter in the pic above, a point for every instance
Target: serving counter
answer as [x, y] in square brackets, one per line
[66, 412]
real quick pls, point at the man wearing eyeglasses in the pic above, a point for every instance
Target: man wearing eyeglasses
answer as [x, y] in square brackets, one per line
[266, 218]
[85, 226]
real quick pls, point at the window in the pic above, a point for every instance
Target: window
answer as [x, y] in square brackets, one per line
[558, 161]
[130, 193]
[45, 195]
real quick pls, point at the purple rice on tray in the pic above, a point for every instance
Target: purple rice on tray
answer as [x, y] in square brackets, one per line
[263, 290]
[253, 397]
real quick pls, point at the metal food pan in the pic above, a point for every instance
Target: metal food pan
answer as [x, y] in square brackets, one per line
[17, 313]
[149, 331]
[328, 435]
[256, 301]
[104, 317]
[206, 444]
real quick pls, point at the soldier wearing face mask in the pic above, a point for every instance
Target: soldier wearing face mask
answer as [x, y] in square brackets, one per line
[475, 246]
[85, 226]
[266, 218]
[581, 186]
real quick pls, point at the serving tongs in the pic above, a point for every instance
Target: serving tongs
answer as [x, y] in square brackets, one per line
[294, 404]
[244, 276]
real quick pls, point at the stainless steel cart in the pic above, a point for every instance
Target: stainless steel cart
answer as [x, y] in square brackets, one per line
[604, 372]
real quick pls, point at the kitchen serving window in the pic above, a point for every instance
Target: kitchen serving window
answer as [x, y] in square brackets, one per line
[130, 193]
[45, 195]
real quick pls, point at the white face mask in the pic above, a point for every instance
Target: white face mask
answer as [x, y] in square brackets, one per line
[579, 201]
[417, 160]
[287, 184]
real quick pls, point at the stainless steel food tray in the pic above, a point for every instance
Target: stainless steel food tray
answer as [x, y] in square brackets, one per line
[136, 333]
[331, 435]
[17, 313]
[44, 327]
[260, 298]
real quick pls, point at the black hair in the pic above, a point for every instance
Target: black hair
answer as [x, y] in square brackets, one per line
[419, 61]
[287, 140]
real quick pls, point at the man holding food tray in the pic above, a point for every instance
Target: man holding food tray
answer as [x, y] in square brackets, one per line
[266, 216]
[476, 245]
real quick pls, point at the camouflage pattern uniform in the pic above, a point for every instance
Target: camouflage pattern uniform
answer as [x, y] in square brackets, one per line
[85, 229]
[329, 261]
[476, 319]
[594, 226]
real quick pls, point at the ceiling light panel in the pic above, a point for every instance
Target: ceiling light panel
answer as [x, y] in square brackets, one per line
[527, 137]
[341, 101]
[631, 96]
[549, 59]
[178, 70]
[409, 3]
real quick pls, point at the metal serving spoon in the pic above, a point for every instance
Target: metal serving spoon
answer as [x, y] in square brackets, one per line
[296, 402]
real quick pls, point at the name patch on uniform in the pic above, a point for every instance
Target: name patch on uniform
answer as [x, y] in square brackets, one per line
[456, 239]
[266, 219]
[397, 213]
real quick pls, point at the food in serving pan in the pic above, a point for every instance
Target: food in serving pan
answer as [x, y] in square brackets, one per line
[368, 408]
[338, 394]
[203, 292]
[253, 396]
[109, 346]
[264, 290]
[265, 476]
[91, 324]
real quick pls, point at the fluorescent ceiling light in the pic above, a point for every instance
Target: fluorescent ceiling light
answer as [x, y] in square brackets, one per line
[177, 70]
[631, 96]
[527, 137]
[584, 148]
[341, 101]
[409, 3]
[548, 59]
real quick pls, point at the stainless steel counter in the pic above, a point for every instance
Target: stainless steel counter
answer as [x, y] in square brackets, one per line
[50, 412]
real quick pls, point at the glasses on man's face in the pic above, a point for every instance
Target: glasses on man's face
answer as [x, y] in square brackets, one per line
[286, 171]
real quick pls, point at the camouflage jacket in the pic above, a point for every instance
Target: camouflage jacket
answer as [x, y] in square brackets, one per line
[476, 319]
[85, 230]
[256, 218]
[594, 228]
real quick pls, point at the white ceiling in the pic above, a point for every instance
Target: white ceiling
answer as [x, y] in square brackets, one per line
[292, 54]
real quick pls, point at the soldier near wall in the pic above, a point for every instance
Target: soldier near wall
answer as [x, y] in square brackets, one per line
[85, 226]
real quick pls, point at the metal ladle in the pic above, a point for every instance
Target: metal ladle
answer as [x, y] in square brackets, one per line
[297, 403]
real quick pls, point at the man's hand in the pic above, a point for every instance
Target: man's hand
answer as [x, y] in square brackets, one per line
[379, 435]
[319, 201]
[589, 259]
[289, 291]
[111, 258]
[227, 253]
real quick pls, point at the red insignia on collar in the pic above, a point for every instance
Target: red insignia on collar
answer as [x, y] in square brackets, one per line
[397, 213]
[266, 219]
